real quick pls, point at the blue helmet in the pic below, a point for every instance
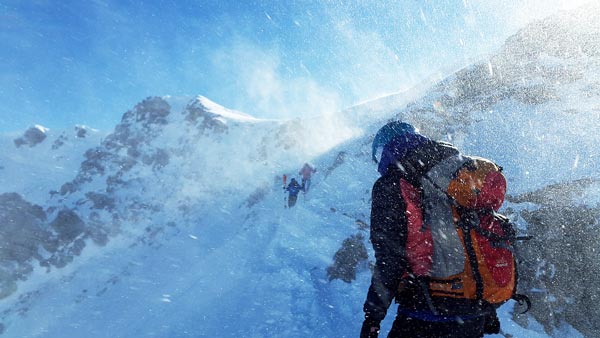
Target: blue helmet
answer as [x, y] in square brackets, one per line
[398, 139]
[388, 133]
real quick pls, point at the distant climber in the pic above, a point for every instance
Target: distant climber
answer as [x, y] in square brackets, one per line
[306, 173]
[293, 188]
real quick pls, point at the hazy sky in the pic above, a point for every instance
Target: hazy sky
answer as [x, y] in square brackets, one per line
[86, 62]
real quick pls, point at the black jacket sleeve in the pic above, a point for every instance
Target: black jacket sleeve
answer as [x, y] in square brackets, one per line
[388, 236]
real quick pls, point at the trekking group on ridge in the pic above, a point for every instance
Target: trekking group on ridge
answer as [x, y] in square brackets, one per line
[443, 253]
[294, 187]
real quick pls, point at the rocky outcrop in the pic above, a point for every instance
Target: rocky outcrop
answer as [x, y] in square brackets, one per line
[558, 266]
[555, 195]
[31, 137]
[127, 146]
[80, 132]
[152, 110]
[22, 233]
[347, 259]
[67, 225]
[197, 114]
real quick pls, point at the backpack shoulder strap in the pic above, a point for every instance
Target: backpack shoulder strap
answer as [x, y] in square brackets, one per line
[421, 160]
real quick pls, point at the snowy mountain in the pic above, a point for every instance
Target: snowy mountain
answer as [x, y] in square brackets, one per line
[40, 159]
[174, 224]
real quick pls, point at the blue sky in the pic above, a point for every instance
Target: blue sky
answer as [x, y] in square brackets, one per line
[87, 62]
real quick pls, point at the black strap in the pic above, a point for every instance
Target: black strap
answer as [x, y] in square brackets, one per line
[419, 161]
[522, 299]
[424, 287]
[508, 228]
[473, 263]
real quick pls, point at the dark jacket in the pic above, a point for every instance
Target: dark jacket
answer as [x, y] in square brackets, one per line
[388, 236]
[294, 188]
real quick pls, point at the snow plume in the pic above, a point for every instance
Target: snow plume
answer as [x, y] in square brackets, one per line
[376, 67]
[286, 94]
[272, 88]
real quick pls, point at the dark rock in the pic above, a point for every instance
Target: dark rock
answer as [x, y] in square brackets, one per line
[32, 137]
[153, 110]
[257, 196]
[347, 259]
[68, 225]
[81, 132]
[196, 113]
[68, 188]
[561, 260]
[100, 200]
[22, 234]
[158, 159]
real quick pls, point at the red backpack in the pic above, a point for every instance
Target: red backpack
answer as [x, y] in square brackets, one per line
[456, 240]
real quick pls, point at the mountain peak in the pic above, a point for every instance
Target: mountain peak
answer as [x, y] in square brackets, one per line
[217, 109]
[32, 136]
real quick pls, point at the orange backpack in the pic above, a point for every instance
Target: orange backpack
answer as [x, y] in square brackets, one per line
[456, 240]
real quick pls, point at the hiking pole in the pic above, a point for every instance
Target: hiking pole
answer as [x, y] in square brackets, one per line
[284, 195]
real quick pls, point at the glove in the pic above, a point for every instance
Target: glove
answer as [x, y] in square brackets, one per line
[370, 329]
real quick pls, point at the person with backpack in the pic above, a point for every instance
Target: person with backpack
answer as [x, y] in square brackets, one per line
[306, 172]
[293, 188]
[441, 250]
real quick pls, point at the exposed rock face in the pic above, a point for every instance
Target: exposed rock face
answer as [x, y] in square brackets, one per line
[68, 225]
[559, 263]
[530, 69]
[153, 110]
[22, 233]
[106, 189]
[32, 137]
[26, 238]
[196, 113]
[157, 159]
[556, 195]
[126, 146]
[101, 200]
[81, 132]
[347, 259]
